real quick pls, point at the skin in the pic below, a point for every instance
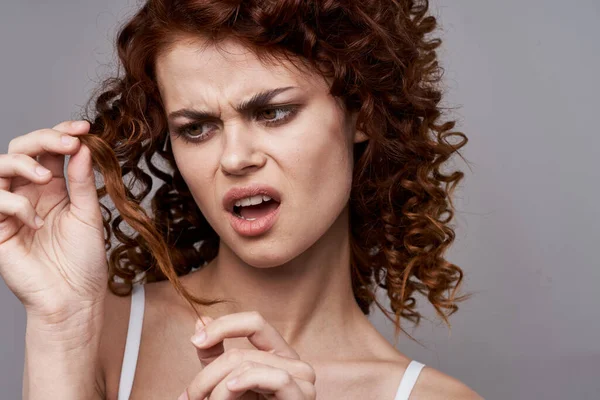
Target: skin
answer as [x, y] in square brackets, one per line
[303, 260]
[293, 328]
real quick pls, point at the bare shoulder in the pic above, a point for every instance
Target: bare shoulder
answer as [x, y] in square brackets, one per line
[160, 302]
[117, 311]
[434, 384]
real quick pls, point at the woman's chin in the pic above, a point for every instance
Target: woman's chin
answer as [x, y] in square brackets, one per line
[265, 259]
[267, 254]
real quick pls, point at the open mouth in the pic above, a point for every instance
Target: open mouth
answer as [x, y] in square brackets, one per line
[252, 212]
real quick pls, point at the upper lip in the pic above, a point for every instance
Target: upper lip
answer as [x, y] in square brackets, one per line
[238, 193]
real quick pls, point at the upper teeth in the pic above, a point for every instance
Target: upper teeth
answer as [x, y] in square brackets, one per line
[250, 201]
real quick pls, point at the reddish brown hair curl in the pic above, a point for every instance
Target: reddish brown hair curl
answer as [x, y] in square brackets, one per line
[381, 64]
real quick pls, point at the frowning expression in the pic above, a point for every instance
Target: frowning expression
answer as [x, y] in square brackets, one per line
[236, 122]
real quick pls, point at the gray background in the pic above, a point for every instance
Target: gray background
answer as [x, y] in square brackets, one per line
[523, 78]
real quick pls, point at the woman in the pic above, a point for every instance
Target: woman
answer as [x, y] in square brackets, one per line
[303, 149]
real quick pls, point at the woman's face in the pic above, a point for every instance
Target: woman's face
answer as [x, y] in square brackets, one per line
[297, 141]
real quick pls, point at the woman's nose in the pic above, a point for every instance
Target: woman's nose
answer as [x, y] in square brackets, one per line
[240, 152]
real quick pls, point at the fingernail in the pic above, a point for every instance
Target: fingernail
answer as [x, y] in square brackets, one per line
[41, 171]
[199, 338]
[67, 140]
[39, 221]
[183, 396]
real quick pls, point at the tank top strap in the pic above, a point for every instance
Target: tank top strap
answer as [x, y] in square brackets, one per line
[132, 343]
[408, 380]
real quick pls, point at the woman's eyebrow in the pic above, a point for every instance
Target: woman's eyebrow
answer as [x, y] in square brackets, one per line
[259, 100]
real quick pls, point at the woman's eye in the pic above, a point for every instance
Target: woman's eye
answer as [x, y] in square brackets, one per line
[194, 131]
[198, 131]
[269, 114]
[275, 115]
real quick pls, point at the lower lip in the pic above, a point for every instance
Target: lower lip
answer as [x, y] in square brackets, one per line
[256, 227]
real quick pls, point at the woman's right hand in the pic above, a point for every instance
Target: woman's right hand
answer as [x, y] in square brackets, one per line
[57, 270]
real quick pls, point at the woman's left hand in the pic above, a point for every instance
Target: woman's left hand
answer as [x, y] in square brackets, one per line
[272, 371]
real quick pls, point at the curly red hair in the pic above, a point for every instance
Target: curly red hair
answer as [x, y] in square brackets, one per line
[380, 63]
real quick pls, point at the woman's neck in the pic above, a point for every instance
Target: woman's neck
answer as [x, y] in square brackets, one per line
[306, 297]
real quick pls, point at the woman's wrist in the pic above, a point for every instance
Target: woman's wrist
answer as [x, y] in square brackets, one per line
[69, 330]
[62, 355]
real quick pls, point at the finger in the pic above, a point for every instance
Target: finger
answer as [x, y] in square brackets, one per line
[205, 382]
[209, 354]
[42, 141]
[80, 173]
[82, 186]
[221, 390]
[73, 127]
[14, 205]
[56, 162]
[206, 356]
[210, 376]
[216, 371]
[265, 379]
[13, 165]
[249, 324]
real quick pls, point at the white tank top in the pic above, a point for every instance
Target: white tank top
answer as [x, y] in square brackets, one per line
[132, 347]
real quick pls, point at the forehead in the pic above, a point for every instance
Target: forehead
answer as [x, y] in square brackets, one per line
[194, 71]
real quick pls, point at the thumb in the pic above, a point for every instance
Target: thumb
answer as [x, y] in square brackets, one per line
[82, 186]
[208, 354]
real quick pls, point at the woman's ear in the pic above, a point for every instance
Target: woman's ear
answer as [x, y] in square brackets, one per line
[360, 136]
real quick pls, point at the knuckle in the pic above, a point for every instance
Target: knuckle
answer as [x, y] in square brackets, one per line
[247, 364]
[257, 319]
[12, 144]
[42, 132]
[14, 157]
[23, 203]
[35, 136]
[47, 131]
[309, 372]
[75, 181]
[46, 136]
[19, 158]
[286, 379]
